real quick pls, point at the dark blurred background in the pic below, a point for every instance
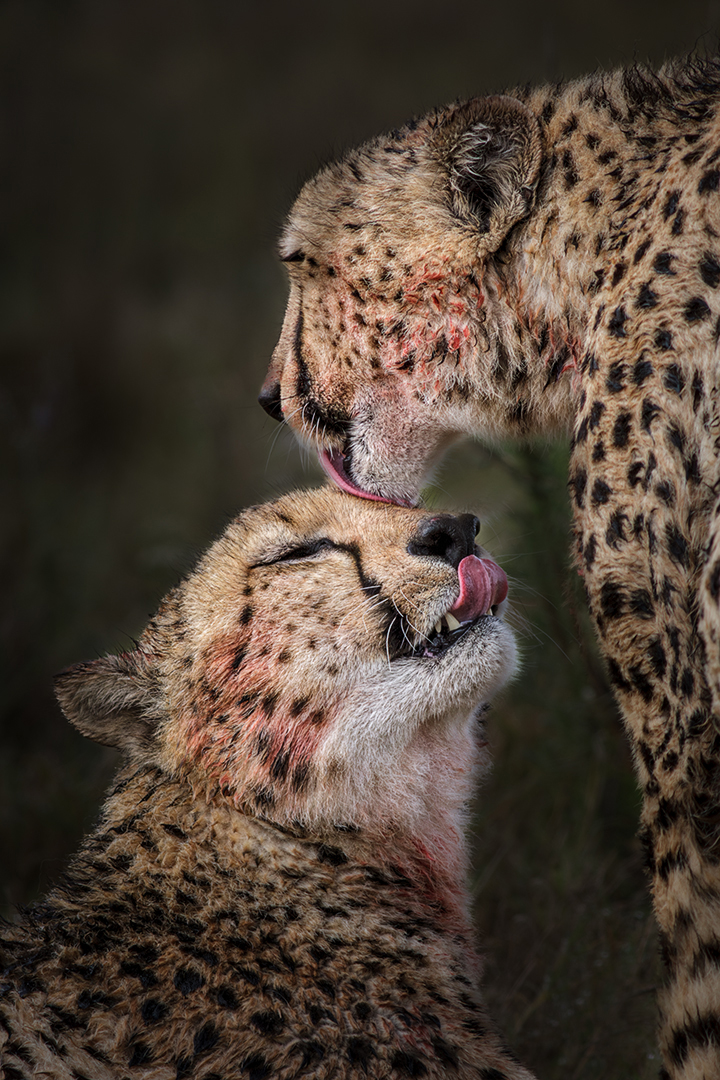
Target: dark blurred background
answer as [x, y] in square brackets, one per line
[150, 152]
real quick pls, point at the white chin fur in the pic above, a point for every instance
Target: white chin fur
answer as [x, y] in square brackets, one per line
[395, 709]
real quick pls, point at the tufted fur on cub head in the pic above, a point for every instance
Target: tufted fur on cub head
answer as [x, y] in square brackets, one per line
[277, 883]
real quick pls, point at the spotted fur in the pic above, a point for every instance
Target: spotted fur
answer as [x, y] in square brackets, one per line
[545, 261]
[276, 885]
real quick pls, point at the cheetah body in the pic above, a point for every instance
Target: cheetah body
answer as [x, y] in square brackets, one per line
[527, 264]
[275, 887]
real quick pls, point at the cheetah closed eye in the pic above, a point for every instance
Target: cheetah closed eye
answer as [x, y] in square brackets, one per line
[545, 261]
[276, 885]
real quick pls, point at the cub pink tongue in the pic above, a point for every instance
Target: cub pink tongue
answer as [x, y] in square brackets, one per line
[482, 584]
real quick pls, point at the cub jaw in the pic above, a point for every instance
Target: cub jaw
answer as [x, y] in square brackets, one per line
[450, 623]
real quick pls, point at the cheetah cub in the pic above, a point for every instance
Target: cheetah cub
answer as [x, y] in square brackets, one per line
[277, 883]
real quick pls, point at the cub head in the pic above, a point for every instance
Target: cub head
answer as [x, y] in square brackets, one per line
[387, 352]
[321, 663]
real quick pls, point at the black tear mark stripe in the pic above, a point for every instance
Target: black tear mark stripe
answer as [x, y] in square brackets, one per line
[368, 583]
[331, 420]
[303, 378]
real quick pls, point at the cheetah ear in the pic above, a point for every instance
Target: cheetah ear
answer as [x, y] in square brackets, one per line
[112, 700]
[490, 149]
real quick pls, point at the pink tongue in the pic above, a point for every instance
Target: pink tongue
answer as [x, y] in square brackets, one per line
[482, 584]
[333, 462]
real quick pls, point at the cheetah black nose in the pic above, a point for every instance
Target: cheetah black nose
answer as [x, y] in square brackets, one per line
[446, 537]
[269, 398]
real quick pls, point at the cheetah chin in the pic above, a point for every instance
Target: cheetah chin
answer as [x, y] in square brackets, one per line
[277, 885]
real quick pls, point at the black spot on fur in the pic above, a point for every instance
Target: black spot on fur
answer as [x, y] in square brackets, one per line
[710, 270]
[709, 182]
[141, 1055]
[598, 408]
[333, 855]
[269, 703]
[641, 682]
[634, 472]
[615, 534]
[137, 971]
[612, 599]
[666, 491]
[714, 581]
[187, 980]
[205, 1039]
[661, 265]
[615, 381]
[256, 1067]
[578, 483]
[601, 492]
[648, 414]
[153, 1010]
[641, 604]
[702, 1032]
[407, 1064]
[663, 339]
[226, 997]
[359, 1051]
[677, 545]
[647, 297]
[687, 683]
[676, 437]
[174, 830]
[674, 379]
[658, 660]
[621, 430]
[616, 326]
[641, 371]
[268, 1022]
[641, 251]
[671, 204]
[696, 310]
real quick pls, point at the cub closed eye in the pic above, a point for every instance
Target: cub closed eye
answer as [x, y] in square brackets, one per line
[299, 553]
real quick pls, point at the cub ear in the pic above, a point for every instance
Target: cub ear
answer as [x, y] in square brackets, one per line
[112, 700]
[490, 149]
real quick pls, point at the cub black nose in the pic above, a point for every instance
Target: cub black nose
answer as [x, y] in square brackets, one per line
[269, 398]
[446, 537]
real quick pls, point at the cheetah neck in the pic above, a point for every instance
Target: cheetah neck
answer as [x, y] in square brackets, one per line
[161, 829]
[551, 284]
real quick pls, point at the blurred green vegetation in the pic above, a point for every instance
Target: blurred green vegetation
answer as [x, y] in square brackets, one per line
[150, 152]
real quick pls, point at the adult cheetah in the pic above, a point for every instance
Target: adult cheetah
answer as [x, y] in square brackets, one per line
[543, 261]
[276, 886]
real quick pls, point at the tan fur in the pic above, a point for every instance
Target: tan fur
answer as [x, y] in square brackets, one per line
[276, 886]
[508, 267]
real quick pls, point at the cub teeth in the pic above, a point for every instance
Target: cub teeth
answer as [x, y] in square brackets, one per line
[448, 622]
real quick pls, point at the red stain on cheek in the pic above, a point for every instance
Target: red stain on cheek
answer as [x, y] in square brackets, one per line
[247, 727]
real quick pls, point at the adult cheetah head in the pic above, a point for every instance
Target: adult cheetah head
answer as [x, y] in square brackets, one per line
[387, 310]
[324, 648]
